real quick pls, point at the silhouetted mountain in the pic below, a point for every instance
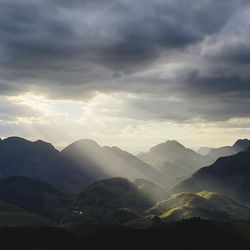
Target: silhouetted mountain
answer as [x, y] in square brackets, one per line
[173, 159]
[71, 170]
[229, 175]
[41, 161]
[206, 205]
[239, 145]
[106, 200]
[106, 162]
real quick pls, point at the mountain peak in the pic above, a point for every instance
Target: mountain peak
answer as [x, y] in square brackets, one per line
[174, 143]
[170, 144]
[82, 144]
[241, 144]
[14, 139]
[44, 144]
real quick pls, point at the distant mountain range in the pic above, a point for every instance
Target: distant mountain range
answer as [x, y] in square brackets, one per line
[84, 162]
[228, 175]
[215, 153]
[77, 166]
[177, 162]
[174, 160]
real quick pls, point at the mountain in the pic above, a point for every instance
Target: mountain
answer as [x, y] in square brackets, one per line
[215, 153]
[75, 167]
[107, 200]
[106, 162]
[241, 144]
[228, 175]
[32, 196]
[206, 205]
[174, 160]
[203, 151]
[41, 161]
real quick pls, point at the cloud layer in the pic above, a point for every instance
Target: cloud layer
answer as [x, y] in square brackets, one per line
[176, 60]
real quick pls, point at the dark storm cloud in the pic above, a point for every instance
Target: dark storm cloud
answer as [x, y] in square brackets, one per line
[38, 34]
[70, 49]
[215, 84]
[236, 52]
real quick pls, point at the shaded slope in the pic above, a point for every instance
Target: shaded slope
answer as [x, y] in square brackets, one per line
[33, 196]
[229, 175]
[41, 161]
[238, 146]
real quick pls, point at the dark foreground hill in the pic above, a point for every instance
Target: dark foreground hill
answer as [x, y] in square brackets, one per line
[33, 196]
[184, 235]
[228, 175]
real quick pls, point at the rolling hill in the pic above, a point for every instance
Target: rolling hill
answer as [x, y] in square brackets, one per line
[32, 196]
[107, 200]
[206, 205]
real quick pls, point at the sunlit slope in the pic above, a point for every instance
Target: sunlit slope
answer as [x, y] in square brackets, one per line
[206, 205]
[105, 162]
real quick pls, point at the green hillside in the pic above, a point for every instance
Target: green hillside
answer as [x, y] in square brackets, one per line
[206, 205]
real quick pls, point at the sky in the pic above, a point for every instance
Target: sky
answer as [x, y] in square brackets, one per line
[126, 73]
